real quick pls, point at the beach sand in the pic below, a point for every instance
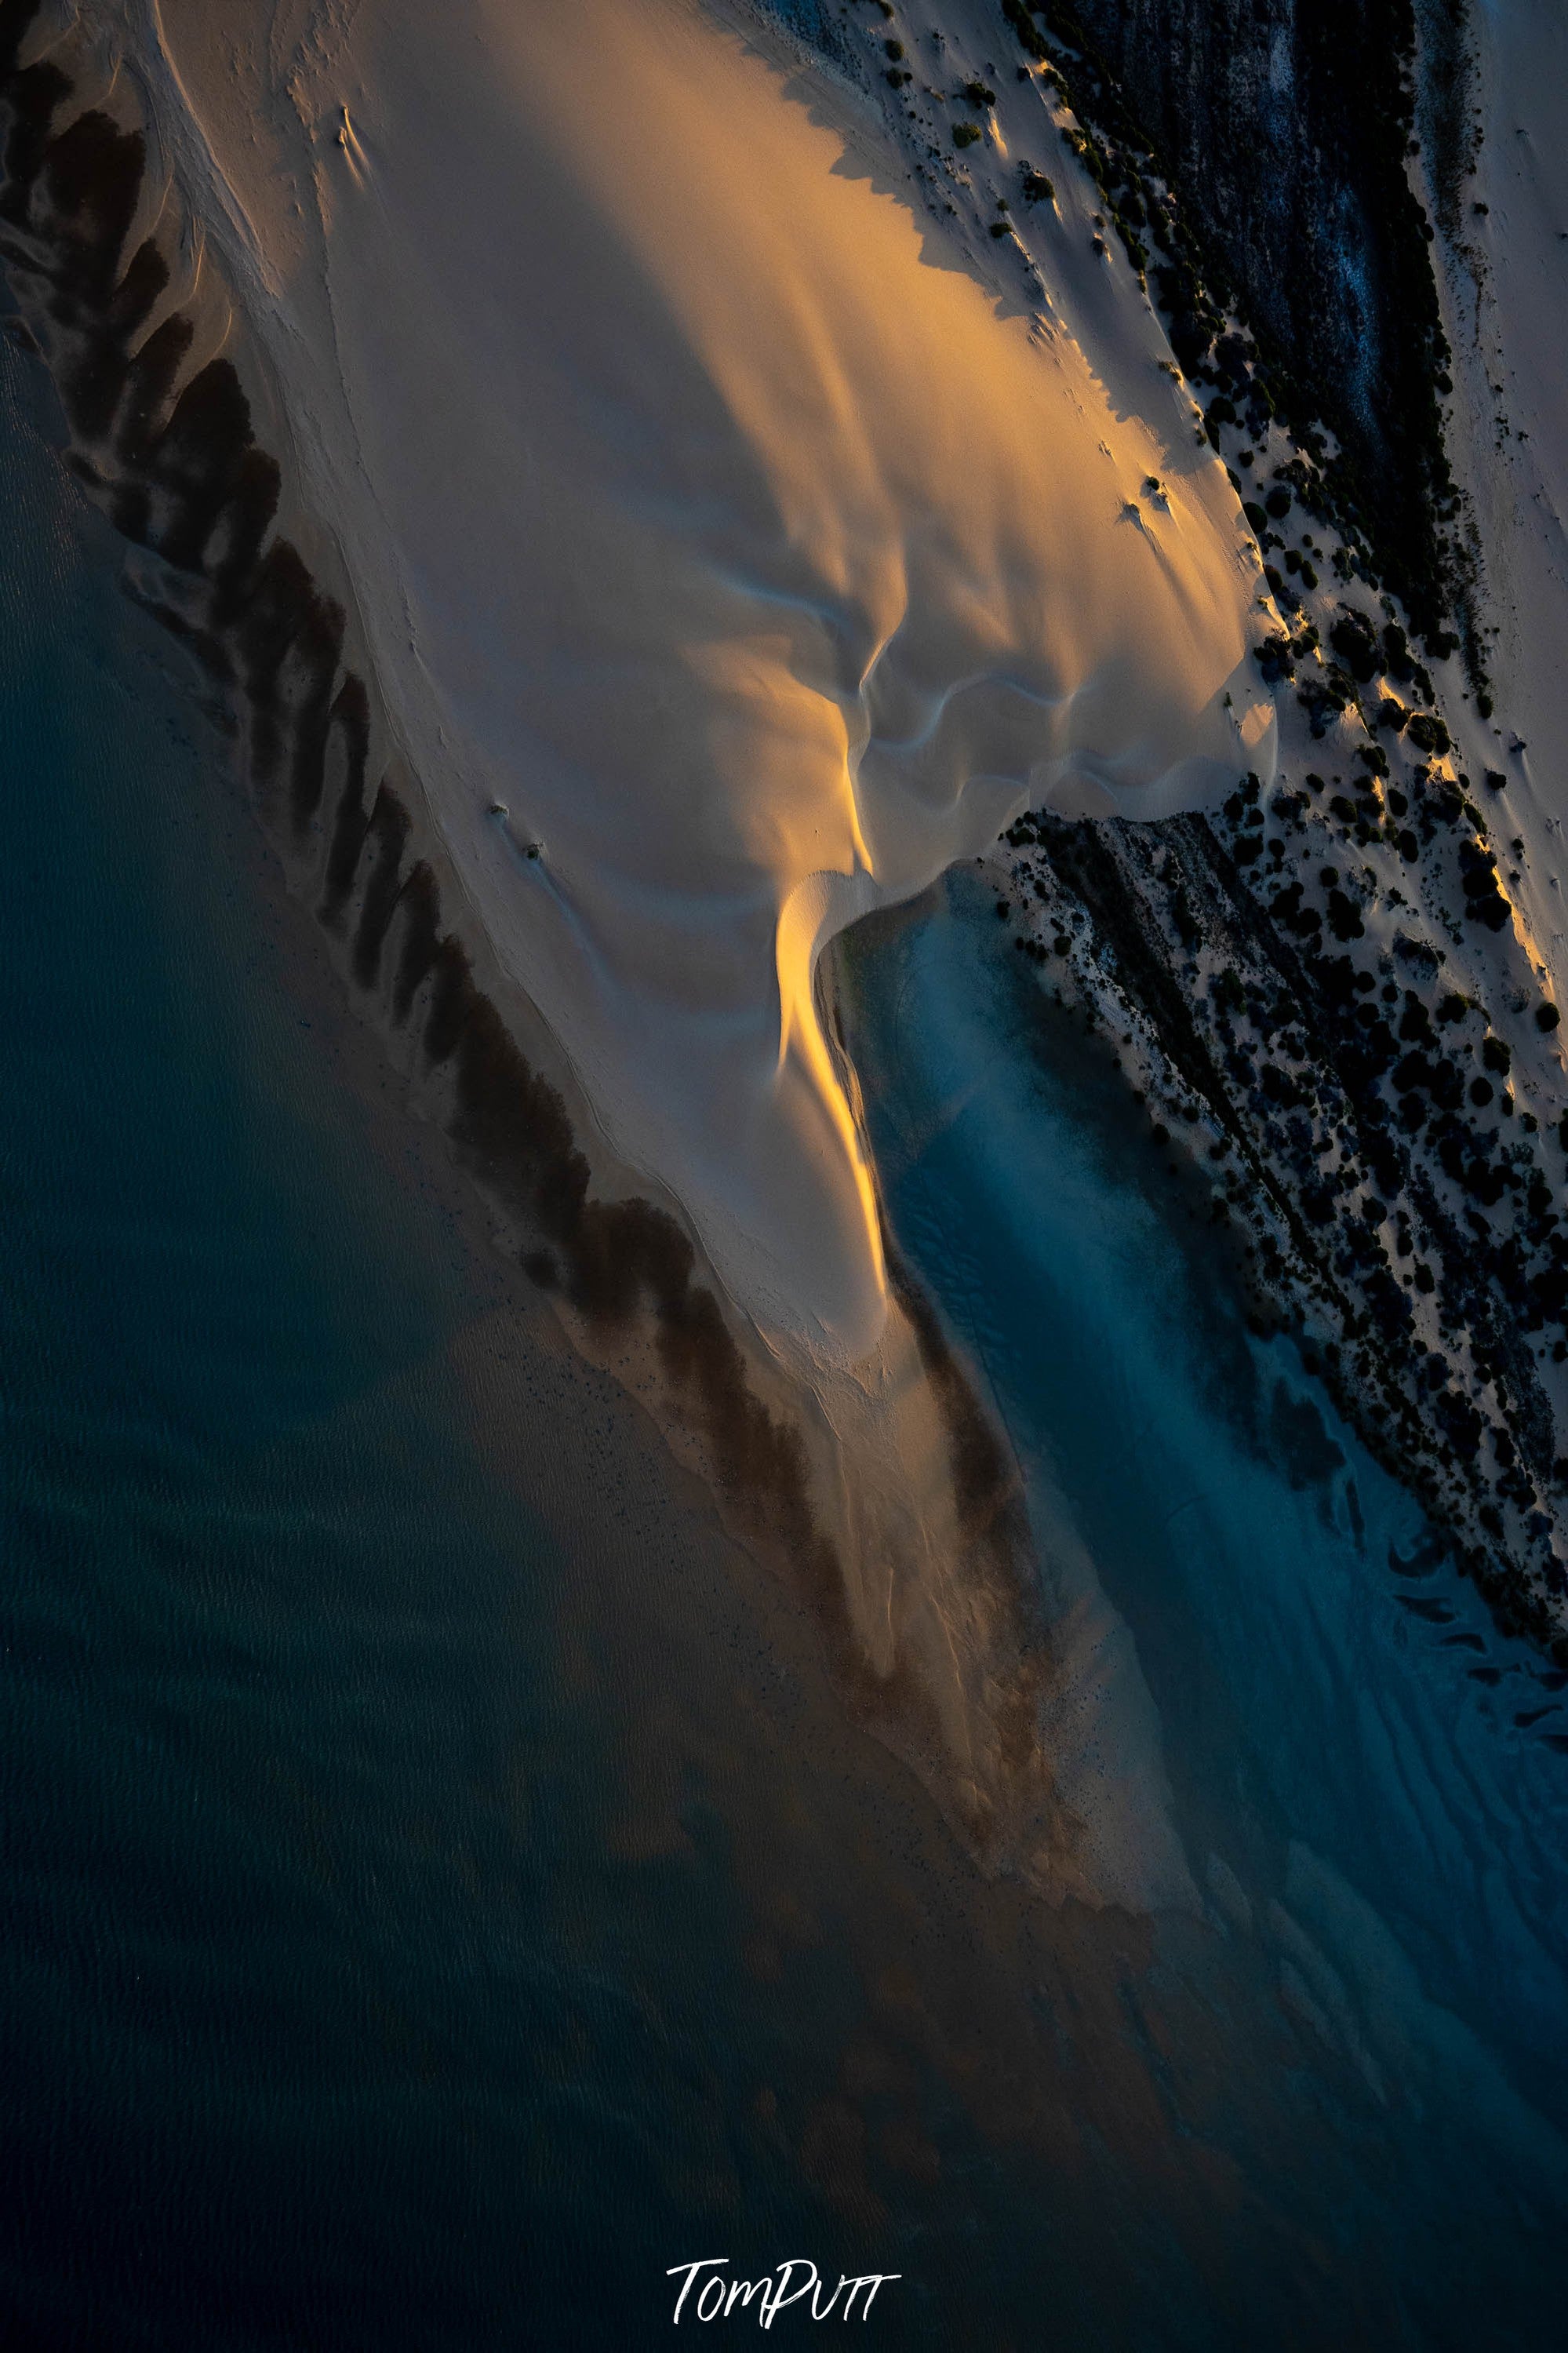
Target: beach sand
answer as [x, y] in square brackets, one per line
[711, 521]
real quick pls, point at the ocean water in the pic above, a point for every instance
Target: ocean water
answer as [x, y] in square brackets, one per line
[360, 1984]
[439, 1889]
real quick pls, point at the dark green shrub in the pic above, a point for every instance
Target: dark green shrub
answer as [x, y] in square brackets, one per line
[1352, 640]
[1428, 732]
[1396, 658]
[1023, 24]
[964, 134]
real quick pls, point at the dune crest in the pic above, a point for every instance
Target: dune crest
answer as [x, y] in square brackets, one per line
[730, 564]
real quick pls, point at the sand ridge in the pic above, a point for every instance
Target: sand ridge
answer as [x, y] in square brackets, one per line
[731, 565]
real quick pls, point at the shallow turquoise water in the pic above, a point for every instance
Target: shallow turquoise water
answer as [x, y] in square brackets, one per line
[1349, 1777]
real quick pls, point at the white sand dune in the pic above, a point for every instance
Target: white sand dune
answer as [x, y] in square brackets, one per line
[1507, 303]
[710, 517]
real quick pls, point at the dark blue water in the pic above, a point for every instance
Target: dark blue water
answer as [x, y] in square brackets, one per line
[440, 1890]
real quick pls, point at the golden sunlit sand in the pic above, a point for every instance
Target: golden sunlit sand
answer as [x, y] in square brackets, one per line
[728, 563]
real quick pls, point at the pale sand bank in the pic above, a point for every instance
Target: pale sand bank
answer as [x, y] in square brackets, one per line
[706, 515]
[755, 604]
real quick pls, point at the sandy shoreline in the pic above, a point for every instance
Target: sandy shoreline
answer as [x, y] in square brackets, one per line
[880, 1495]
[750, 564]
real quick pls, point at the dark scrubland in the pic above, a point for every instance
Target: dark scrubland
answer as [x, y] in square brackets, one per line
[1253, 156]
[1297, 1036]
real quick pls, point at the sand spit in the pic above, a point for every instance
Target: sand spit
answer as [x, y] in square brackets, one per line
[728, 563]
[879, 1489]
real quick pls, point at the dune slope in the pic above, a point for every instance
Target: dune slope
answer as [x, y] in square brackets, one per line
[731, 561]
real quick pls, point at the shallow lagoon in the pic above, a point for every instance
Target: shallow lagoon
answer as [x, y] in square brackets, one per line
[1288, 1666]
